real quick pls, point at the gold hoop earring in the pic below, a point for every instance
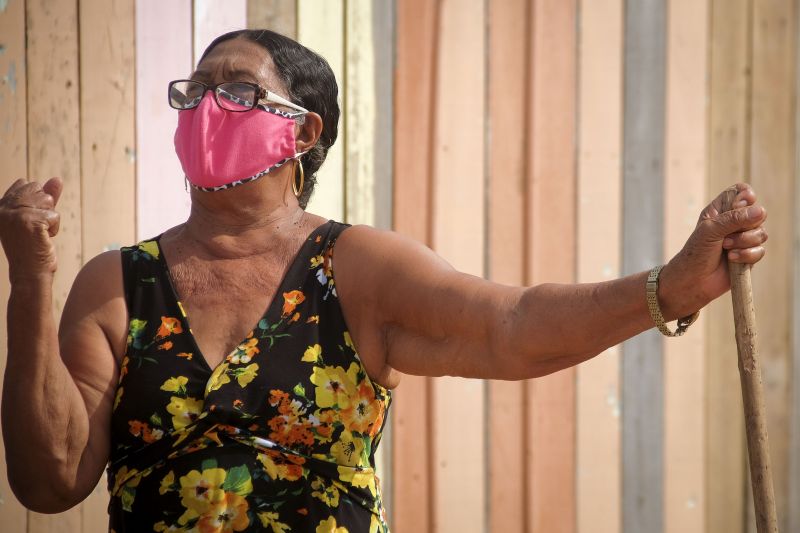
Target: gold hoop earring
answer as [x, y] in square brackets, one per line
[298, 190]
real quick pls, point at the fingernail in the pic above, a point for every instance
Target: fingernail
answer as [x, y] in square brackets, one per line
[727, 243]
[733, 255]
[754, 212]
[741, 203]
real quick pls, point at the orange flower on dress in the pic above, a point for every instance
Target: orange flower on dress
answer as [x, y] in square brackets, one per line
[186, 355]
[295, 318]
[169, 326]
[141, 429]
[166, 346]
[289, 427]
[365, 413]
[291, 300]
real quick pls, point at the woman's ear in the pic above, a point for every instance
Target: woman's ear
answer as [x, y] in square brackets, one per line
[307, 134]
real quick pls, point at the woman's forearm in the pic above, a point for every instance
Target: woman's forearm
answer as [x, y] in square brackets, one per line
[45, 425]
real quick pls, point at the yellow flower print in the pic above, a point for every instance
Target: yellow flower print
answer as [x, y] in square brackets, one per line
[167, 483]
[329, 526]
[168, 326]
[248, 374]
[184, 411]
[358, 477]
[282, 468]
[334, 386]
[327, 494]
[176, 384]
[347, 450]
[225, 516]
[218, 378]
[244, 353]
[348, 341]
[365, 413]
[117, 398]
[312, 354]
[270, 520]
[313, 319]
[200, 492]
[150, 248]
[291, 300]
[317, 261]
[125, 478]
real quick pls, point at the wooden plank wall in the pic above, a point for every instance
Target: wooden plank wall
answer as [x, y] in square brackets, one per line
[526, 141]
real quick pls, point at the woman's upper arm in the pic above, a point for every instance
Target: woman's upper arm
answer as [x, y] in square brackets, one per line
[410, 311]
[92, 337]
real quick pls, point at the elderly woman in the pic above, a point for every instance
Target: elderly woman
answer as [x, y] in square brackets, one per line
[226, 374]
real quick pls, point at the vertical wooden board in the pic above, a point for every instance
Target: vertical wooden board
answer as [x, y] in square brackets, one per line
[685, 196]
[108, 171]
[458, 236]
[13, 154]
[599, 245]
[108, 134]
[212, 18]
[54, 150]
[794, 459]
[360, 113]
[642, 372]
[414, 96]
[509, 25]
[728, 139]
[384, 50]
[320, 27]
[551, 254]
[161, 198]
[275, 15]
[772, 170]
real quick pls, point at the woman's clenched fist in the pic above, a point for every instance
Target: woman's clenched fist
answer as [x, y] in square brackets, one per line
[28, 222]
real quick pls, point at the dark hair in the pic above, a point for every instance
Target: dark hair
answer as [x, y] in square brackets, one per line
[311, 84]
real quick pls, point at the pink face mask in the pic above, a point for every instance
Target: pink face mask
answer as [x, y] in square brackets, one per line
[219, 149]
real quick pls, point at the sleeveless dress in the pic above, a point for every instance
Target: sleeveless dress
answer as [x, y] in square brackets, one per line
[280, 437]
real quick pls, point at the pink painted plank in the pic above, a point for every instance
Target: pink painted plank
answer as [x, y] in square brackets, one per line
[212, 18]
[162, 201]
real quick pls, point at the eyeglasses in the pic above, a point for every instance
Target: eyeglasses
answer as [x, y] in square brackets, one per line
[235, 96]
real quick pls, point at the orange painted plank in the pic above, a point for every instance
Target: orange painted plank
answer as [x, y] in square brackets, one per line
[415, 77]
[599, 244]
[551, 256]
[458, 236]
[773, 164]
[13, 154]
[685, 195]
[509, 26]
[729, 132]
[54, 150]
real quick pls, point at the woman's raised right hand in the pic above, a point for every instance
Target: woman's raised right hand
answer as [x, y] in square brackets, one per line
[28, 223]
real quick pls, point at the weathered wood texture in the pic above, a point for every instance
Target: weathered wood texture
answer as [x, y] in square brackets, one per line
[14, 155]
[54, 150]
[550, 196]
[772, 167]
[505, 246]
[643, 170]
[162, 200]
[320, 26]
[684, 196]
[458, 236]
[213, 18]
[275, 15]
[728, 161]
[599, 244]
[414, 101]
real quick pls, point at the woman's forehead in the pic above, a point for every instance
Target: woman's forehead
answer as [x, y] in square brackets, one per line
[239, 60]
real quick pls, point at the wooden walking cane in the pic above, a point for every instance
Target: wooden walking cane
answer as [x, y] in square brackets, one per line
[755, 417]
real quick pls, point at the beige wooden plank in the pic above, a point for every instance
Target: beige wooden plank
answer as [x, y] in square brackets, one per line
[684, 197]
[507, 61]
[729, 131]
[54, 150]
[551, 255]
[320, 26]
[458, 236]
[107, 146]
[212, 18]
[772, 170]
[414, 97]
[599, 245]
[13, 154]
[275, 15]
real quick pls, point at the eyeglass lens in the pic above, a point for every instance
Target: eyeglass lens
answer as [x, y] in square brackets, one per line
[232, 96]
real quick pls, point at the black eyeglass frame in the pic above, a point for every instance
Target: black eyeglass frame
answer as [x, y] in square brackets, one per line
[262, 95]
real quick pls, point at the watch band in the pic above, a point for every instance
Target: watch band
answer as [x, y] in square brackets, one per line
[655, 309]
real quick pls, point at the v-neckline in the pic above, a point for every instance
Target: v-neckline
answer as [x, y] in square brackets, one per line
[279, 289]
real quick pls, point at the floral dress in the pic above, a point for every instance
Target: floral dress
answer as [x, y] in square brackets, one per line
[281, 436]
